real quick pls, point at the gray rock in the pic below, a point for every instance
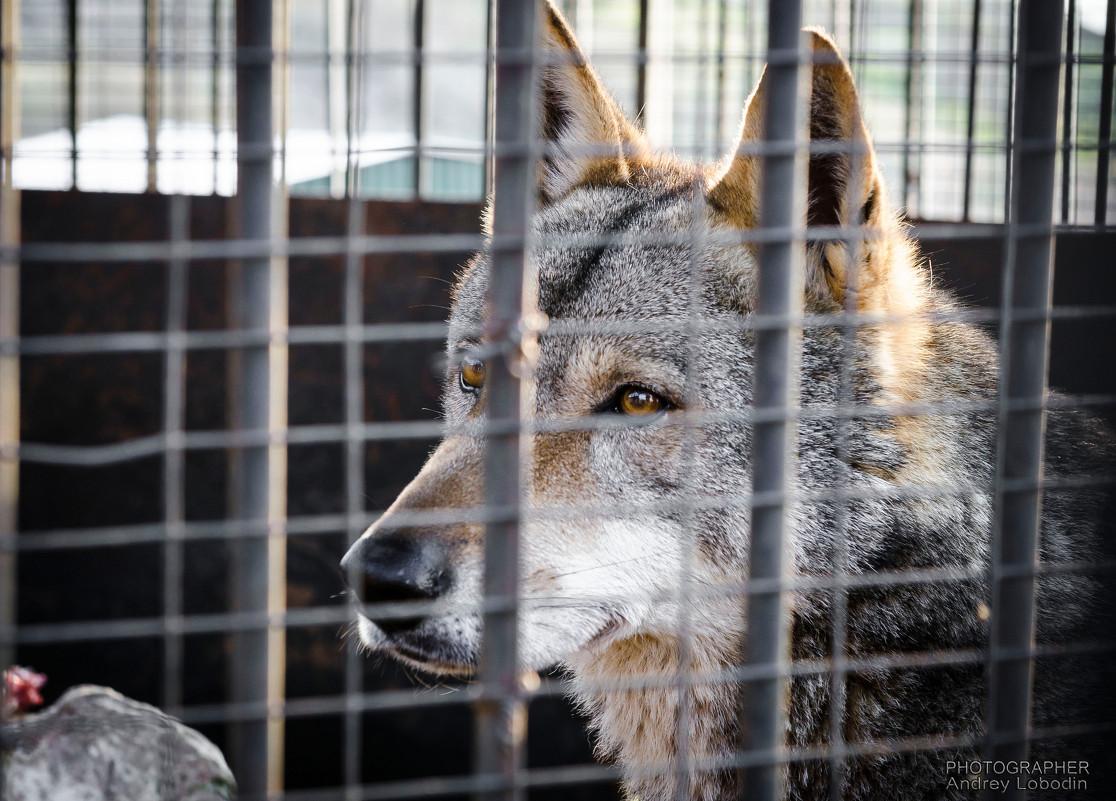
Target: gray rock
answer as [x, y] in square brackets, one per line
[96, 745]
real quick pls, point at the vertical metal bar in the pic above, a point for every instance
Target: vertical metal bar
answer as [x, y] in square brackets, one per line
[683, 734]
[151, 76]
[1009, 117]
[354, 475]
[215, 94]
[419, 34]
[501, 715]
[1104, 145]
[353, 53]
[338, 17]
[1028, 274]
[489, 94]
[970, 130]
[259, 397]
[72, 87]
[1067, 112]
[912, 160]
[9, 328]
[174, 490]
[838, 677]
[780, 285]
[719, 101]
[855, 11]
[641, 63]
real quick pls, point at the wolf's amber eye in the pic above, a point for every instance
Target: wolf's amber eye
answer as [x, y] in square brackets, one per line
[639, 401]
[472, 374]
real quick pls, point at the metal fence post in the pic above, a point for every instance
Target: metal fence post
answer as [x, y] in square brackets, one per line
[1025, 339]
[1068, 116]
[9, 330]
[259, 400]
[501, 714]
[174, 460]
[1104, 145]
[72, 87]
[152, 74]
[970, 123]
[912, 123]
[777, 357]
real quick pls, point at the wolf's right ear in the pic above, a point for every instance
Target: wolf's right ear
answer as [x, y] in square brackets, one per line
[588, 139]
[845, 185]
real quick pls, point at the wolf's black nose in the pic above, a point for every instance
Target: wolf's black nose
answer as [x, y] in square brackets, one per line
[396, 566]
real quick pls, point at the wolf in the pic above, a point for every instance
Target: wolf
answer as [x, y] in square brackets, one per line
[638, 468]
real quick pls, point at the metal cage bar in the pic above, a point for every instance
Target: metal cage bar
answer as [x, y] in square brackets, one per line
[912, 123]
[418, 35]
[174, 479]
[258, 389]
[1028, 278]
[501, 725]
[152, 72]
[641, 58]
[1104, 145]
[970, 130]
[1067, 112]
[72, 87]
[780, 292]
[10, 220]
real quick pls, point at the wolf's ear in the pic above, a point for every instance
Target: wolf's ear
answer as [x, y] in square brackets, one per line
[845, 185]
[588, 138]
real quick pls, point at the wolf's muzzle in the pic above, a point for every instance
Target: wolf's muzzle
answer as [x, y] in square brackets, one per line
[403, 565]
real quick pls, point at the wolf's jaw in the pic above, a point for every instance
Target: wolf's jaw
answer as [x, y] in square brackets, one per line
[430, 655]
[417, 659]
[413, 655]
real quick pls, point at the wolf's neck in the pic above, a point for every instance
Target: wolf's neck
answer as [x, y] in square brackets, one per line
[647, 728]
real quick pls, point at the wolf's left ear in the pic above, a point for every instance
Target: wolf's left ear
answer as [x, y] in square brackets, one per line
[589, 140]
[845, 185]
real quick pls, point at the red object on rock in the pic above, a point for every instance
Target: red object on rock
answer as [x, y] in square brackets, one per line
[21, 689]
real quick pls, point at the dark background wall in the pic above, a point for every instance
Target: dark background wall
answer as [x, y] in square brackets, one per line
[91, 399]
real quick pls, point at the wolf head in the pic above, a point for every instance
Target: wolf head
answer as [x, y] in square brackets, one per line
[638, 468]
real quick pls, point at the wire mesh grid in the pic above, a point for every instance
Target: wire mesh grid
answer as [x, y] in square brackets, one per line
[1034, 111]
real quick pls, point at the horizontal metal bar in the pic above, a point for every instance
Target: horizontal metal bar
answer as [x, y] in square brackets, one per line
[159, 341]
[31, 541]
[127, 536]
[218, 249]
[137, 628]
[187, 56]
[262, 152]
[156, 444]
[488, 513]
[379, 333]
[402, 430]
[389, 700]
